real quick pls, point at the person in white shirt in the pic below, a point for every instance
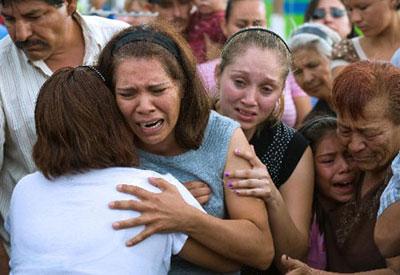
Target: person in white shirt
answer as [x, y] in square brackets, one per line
[44, 35]
[59, 220]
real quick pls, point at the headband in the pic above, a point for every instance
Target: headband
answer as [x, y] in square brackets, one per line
[144, 34]
[94, 70]
[314, 31]
[258, 29]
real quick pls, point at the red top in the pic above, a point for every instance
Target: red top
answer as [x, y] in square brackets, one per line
[201, 24]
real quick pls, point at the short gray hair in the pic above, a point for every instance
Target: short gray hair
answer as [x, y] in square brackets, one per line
[315, 35]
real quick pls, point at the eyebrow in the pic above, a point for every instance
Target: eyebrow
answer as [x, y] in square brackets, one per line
[342, 125]
[32, 12]
[267, 78]
[242, 20]
[130, 87]
[4, 14]
[370, 129]
[326, 154]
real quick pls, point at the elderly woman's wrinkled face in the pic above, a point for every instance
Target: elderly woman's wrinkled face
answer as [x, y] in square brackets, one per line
[372, 140]
[332, 13]
[250, 87]
[150, 101]
[372, 17]
[312, 72]
[335, 175]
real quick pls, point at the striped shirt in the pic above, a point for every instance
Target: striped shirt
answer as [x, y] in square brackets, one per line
[20, 82]
[391, 194]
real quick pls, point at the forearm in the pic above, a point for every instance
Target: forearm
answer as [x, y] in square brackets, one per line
[293, 266]
[387, 231]
[239, 240]
[288, 239]
[198, 254]
[289, 211]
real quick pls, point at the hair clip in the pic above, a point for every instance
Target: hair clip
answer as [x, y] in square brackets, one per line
[96, 71]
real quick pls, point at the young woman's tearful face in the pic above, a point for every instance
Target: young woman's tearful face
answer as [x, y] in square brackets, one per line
[150, 102]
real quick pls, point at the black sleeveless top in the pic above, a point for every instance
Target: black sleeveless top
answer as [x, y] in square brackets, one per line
[280, 148]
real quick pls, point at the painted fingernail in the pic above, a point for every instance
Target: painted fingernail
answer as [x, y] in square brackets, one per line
[229, 184]
[227, 174]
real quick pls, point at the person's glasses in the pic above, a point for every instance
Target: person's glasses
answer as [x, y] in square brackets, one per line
[320, 13]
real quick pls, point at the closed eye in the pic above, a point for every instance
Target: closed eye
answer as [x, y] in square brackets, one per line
[33, 17]
[363, 7]
[312, 65]
[266, 90]
[241, 24]
[371, 135]
[8, 19]
[240, 83]
[344, 133]
[126, 93]
[158, 89]
[257, 23]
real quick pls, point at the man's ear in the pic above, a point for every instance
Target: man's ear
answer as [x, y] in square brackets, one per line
[71, 6]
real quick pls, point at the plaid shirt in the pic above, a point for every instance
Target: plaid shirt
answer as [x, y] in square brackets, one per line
[20, 82]
[392, 190]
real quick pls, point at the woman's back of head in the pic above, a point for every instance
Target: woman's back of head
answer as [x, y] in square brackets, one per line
[79, 125]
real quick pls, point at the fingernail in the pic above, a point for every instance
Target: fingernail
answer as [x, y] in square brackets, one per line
[129, 243]
[226, 174]
[237, 151]
[119, 187]
[229, 184]
[115, 225]
[111, 204]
